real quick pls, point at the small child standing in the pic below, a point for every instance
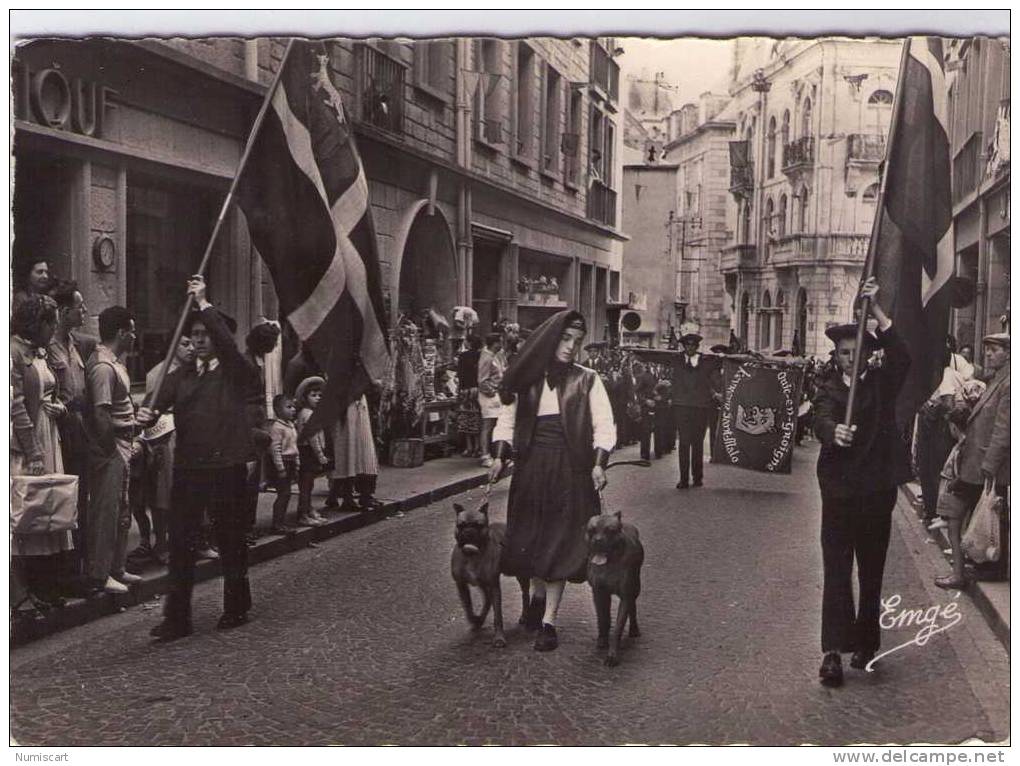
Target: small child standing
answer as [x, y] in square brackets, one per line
[311, 451]
[284, 452]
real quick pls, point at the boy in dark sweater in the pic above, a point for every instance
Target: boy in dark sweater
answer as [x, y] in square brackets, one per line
[208, 400]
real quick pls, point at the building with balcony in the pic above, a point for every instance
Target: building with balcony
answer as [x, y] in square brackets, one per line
[675, 213]
[810, 120]
[490, 163]
[979, 116]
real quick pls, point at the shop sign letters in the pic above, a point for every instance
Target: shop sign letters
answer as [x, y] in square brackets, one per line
[49, 97]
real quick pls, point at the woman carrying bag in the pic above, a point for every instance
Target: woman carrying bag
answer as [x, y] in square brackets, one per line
[39, 535]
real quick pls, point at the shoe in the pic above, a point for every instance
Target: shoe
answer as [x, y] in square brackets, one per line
[951, 582]
[682, 485]
[228, 621]
[368, 503]
[536, 611]
[112, 586]
[127, 578]
[349, 506]
[308, 521]
[318, 517]
[939, 523]
[207, 553]
[697, 483]
[546, 640]
[332, 503]
[831, 671]
[487, 461]
[170, 631]
[859, 660]
[140, 554]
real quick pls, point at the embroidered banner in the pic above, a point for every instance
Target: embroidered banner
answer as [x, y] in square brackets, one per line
[758, 414]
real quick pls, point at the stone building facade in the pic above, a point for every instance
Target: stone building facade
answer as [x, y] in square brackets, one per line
[675, 213]
[491, 164]
[979, 117]
[811, 119]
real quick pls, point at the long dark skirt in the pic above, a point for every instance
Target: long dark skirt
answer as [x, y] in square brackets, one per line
[549, 506]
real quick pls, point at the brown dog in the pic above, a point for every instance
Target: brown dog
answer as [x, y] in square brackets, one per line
[475, 561]
[615, 555]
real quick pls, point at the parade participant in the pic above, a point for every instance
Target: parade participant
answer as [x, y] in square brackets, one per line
[665, 429]
[860, 467]
[490, 375]
[208, 399]
[261, 341]
[66, 355]
[695, 381]
[983, 458]
[111, 424]
[643, 385]
[35, 441]
[311, 450]
[469, 414]
[558, 421]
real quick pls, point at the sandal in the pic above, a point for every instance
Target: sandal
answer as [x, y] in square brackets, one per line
[951, 582]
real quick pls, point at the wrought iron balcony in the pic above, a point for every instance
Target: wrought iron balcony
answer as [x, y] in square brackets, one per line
[602, 203]
[865, 148]
[799, 154]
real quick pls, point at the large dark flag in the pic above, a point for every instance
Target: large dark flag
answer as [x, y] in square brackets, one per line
[758, 414]
[912, 241]
[304, 193]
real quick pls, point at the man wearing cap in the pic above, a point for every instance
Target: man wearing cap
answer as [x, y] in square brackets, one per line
[860, 467]
[208, 399]
[695, 381]
[984, 455]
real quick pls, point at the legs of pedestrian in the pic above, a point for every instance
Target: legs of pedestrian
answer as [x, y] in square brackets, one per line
[229, 522]
[698, 426]
[837, 592]
[645, 438]
[191, 491]
[683, 430]
[547, 639]
[107, 510]
[365, 484]
[283, 483]
[871, 541]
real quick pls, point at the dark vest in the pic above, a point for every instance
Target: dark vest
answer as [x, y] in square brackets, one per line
[575, 415]
[692, 386]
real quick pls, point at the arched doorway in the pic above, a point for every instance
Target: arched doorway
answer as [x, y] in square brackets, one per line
[745, 320]
[802, 319]
[427, 264]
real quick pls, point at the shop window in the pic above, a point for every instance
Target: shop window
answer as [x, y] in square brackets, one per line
[490, 94]
[524, 100]
[433, 67]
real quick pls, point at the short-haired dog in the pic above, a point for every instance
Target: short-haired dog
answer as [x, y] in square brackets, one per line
[615, 555]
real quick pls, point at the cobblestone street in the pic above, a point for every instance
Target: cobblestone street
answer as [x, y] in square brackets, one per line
[362, 641]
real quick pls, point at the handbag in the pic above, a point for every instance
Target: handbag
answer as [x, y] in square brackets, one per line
[43, 504]
[981, 542]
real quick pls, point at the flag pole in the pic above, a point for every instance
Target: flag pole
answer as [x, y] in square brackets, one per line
[869, 261]
[153, 395]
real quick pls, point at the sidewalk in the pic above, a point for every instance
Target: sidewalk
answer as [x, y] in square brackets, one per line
[991, 598]
[399, 489]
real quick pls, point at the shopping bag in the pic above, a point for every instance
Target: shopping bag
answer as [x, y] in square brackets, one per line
[981, 541]
[41, 504]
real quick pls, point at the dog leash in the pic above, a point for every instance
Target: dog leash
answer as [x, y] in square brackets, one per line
[487, 492]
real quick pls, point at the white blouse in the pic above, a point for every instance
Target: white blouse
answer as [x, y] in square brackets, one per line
[549, 404]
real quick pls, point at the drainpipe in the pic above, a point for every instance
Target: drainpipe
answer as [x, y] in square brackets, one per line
[981, 289]
[251, 60]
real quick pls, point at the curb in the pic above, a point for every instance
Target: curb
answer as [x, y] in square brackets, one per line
[28, 627]
[978, 592]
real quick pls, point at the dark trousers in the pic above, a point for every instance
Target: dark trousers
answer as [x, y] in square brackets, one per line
[691, 424]
[854, 527]
[665, 432]
[253, 472]
[933, 445]
[220, 491]
[643, 429]
[713, 425]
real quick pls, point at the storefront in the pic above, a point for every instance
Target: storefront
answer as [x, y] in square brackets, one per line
[123, 154]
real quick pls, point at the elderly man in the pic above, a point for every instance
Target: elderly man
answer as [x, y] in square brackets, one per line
[983, 457]
[695, 381]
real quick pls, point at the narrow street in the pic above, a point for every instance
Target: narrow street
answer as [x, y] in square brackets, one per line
[362, 641]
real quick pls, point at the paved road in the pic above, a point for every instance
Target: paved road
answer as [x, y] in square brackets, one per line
[362, 641]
